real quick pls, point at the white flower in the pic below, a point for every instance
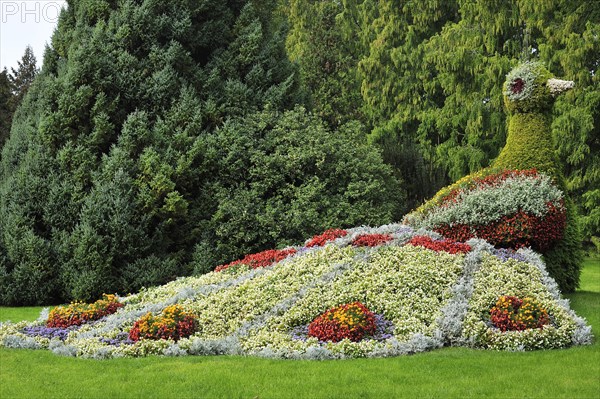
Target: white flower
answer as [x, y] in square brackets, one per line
[558, 86]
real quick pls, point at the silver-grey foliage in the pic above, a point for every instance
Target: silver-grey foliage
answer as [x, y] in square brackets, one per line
[453, 314]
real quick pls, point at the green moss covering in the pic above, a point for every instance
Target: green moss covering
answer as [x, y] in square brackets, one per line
[529, 145]
[565, 259]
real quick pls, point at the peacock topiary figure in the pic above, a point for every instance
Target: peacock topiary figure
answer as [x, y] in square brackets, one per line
[375, 292]
[520, 200]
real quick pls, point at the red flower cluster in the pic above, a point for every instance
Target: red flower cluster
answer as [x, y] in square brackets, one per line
[173, 323]
[449, 246]
[493, 180]
[79, 313]
[261, 259]
[371, 240]
[514, 231]
[328, 235]
[352, 321]
[514, 314]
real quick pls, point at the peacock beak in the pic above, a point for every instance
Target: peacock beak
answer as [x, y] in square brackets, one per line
[558, 86]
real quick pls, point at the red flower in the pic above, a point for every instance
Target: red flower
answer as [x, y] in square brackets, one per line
[371, 240]
[351, 321]
[440, 245]
[327, 236]
[261, 259]
[511, 313]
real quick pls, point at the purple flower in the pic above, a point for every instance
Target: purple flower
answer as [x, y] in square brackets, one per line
[405, 230]
[49, 332]
[384, 328]
[300, 333]
[505, 254]
[121, 338]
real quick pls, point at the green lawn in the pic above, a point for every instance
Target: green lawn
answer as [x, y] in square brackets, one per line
[451, 372]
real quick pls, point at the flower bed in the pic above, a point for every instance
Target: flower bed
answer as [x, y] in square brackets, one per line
[511, 313]
[327, 236]
[174, 323]
[384, 330]
[351, 321]
[404, 285]
[79, 313]
[49, 332]
[505, 254]
[417, 298]
[261, 259]
[371, 240]
[494, 180]
[498, 282]
[514, 231]
[225, 311]
[440, 245]
[511, 209]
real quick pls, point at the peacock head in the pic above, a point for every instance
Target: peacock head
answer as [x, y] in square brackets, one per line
[530, 87]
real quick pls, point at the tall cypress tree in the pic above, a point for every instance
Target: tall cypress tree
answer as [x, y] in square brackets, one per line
[328, 56]
[22, 77]
[430, 74]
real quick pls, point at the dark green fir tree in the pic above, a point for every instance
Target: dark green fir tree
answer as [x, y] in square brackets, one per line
[22, 77]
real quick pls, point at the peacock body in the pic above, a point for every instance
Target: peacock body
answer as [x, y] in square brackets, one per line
[520, 200]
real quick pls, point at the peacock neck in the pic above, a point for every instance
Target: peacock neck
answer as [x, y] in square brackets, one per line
[529, 144]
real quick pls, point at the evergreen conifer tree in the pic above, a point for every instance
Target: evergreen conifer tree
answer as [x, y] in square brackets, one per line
[110, 180]
[328, 56]
[22, 77]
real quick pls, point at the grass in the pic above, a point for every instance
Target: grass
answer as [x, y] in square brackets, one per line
[450, 372]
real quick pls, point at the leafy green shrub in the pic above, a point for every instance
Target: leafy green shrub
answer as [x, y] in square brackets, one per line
[565, 258]
[281, 177]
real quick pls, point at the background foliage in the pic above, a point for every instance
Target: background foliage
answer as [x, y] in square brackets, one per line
[430, 75]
